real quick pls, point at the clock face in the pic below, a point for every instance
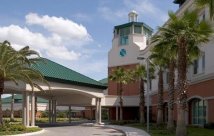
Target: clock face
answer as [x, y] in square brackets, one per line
[122, 52]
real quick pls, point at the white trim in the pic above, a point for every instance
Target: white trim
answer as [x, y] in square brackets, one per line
[195, 96]
[209, 98]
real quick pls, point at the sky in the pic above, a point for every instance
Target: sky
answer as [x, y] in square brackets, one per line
[75, 33]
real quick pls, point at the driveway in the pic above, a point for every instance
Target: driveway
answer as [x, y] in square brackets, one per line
[80, 130]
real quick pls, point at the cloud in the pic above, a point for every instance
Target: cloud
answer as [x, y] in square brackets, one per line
[82, 17]
[58, 25]
[145, 9]
[64, 36]
[112, 15]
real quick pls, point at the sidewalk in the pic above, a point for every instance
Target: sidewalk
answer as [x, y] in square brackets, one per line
[129, 131]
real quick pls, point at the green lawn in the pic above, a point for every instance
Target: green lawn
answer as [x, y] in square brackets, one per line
[162, 131]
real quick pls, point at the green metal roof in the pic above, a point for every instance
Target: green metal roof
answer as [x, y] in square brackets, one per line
[104, 81]
[53, 71]
[134, 23]
[18, 99]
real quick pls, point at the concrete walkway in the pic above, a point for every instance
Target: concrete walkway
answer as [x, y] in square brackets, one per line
[129, 131]
[89, 129]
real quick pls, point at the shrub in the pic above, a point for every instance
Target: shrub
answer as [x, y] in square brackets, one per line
[44, 114]
[12, 127]
[209, 126]
[61, 114]
[123, 122]
[17, 128]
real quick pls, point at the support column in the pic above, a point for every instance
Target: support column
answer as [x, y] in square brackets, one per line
[96, 111]
[116, 113]
[91, 111]
[33, 109]
[99, 111]
[24, 116]
[27, 109]
[53, 111]
[50, 111]
[69, 112]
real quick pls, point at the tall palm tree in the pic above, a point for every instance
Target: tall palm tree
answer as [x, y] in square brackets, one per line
[121, 77]
[185, 31]
[139, 74]
[169, 52]
[159, 60]
[210, 3]
[15, 66]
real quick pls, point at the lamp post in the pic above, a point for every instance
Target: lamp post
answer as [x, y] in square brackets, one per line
[148, 88]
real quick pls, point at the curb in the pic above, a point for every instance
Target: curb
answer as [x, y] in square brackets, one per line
[29, 134]
[133, 132]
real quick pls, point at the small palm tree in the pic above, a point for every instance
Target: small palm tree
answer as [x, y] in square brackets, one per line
[159, 60]
[168, 48]
[121, 77]
[209, 3]
[16, 66]
[140, 74]
[185, 31]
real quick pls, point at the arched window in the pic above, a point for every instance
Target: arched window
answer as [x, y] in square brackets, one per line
[199, 109]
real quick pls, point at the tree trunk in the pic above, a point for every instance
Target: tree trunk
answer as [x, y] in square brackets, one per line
[12, 108]
[35, 107]
[181, 88]
[121, 103]
[1, 92]
[142, 102]
[171, 92]
[160, 98]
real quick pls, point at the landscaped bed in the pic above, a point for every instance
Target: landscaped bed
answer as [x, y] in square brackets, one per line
[162, 131]
[11, 129]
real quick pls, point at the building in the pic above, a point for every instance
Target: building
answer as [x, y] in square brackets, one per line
[200, 76]
[41, 106]
[130, 41]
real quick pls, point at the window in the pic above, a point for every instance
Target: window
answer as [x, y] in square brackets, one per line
[198, 112]
[167, 77]
[203, 62]
[199, 65]
[124, 38]
[195, 67]
[137, 29]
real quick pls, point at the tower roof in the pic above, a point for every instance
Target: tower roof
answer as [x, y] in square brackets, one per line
[134, 23]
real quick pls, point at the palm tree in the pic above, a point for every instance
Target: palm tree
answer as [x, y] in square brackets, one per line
[185, 31]
[160, 60]
[12, 108]
[169, 52]
[210, 3]
[121, 77]
[15, 66]
[139, 74]
[168, 48]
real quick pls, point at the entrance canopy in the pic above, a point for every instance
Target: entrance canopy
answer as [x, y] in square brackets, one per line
[67, 87]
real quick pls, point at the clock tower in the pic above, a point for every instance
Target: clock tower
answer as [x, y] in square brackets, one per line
[128, 40]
